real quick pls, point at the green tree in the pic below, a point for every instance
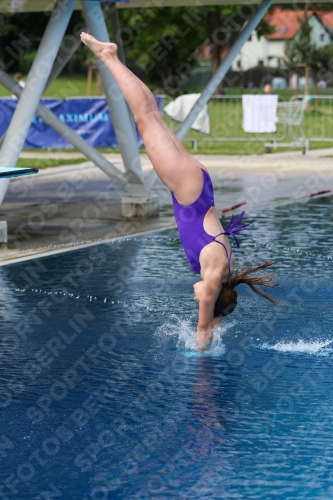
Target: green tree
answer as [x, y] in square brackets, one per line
[222, 26]
[322, 64]
[162, 44]
[20, 35]
[301, 52]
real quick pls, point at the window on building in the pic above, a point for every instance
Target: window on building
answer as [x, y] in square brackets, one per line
[282, 31]
[260, 62]
[239, 64]
[278, 60]
[322, 37]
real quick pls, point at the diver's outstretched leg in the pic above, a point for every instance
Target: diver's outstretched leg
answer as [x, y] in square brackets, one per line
[176, 168]
[157, 112]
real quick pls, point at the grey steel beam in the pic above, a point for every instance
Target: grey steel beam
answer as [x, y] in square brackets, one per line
[62, 59]
[217, 78]
[116, 35]
[223, 69]
[35, 84]
[72, 137]
[118, 109]
[66, 54]
[116, 31]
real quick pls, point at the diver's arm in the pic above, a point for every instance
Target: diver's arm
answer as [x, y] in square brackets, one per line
[206, 314]
[206, 320]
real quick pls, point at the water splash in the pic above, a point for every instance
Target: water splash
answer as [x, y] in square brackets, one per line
[185, 332]
[314, 347]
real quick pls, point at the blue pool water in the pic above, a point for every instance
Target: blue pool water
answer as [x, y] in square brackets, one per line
[103, 394]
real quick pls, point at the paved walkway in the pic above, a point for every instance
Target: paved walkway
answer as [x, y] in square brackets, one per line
[62, 207]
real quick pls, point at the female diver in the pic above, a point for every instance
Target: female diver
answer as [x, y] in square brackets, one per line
[193, 200]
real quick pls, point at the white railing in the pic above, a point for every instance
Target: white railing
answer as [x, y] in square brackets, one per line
[226, 119]
[300, 121]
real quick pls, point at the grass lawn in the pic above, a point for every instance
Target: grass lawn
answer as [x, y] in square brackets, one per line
[66, 86]
[245, 148]
[62, 87]
[226, 116]
[226, 120]
[76, 86]
[47, 162]
[209, 148]
[283, 93]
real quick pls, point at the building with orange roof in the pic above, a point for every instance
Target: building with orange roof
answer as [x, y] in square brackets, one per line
[269, 51]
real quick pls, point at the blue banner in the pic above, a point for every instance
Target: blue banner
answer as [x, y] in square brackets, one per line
[90, 118]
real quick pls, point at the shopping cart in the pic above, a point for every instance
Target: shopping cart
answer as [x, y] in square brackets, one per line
[291, 114]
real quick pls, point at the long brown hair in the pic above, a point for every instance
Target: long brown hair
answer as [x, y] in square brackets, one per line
[227, 300]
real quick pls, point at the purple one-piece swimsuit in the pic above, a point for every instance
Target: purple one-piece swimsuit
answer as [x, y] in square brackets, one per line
[190, 219]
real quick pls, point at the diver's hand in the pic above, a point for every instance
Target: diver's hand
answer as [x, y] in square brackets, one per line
[205, 337]
[204, 340]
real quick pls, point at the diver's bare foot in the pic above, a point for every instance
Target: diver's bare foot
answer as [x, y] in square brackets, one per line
[100, 49]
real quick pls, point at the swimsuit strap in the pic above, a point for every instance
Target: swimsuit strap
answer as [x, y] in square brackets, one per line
[225, 248]
[230, 230]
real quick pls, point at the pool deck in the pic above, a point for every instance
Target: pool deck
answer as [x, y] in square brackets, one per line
[68, 207]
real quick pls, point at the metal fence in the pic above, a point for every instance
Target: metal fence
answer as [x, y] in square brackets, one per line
[300, 121]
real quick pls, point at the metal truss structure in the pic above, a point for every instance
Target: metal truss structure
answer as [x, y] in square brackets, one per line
[47, 66]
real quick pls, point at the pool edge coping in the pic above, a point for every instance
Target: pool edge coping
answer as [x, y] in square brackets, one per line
[83, 246]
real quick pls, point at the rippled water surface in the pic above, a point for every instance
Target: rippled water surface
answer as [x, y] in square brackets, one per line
[103, 394]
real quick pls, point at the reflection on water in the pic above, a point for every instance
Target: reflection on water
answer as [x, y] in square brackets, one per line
[103, 394]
